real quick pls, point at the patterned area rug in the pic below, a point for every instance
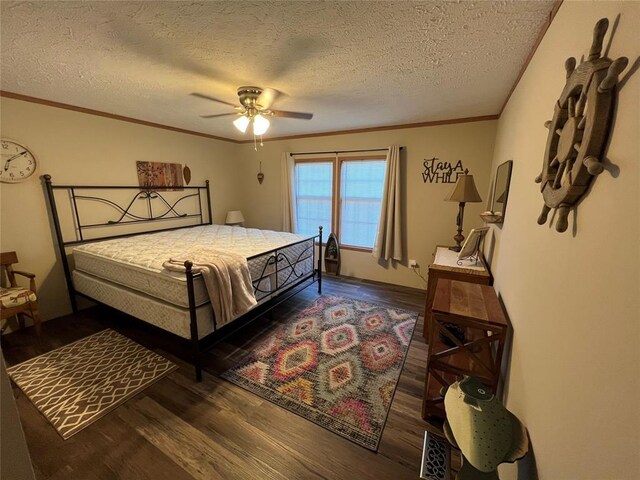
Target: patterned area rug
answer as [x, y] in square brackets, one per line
[75, 385]
[337, 363]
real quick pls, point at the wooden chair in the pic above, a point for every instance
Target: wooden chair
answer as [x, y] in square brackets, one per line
[16, 300]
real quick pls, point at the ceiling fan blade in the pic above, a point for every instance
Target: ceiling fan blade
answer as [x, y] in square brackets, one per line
[207, 97]
[267, 97]
[218, 115]
[300, 115]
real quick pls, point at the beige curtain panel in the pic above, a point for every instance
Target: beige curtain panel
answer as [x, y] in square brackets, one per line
[388, 243]
[288, 193]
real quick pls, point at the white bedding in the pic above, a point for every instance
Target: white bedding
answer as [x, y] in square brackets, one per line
[136, 262]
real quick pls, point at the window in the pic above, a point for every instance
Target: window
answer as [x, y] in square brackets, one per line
[314, 194]
[343, 195]
[360, 201]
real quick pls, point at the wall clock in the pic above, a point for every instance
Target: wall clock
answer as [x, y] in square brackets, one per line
[579, 129]
[17, 162]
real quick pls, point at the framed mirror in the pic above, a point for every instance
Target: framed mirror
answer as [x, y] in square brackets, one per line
[500, 194]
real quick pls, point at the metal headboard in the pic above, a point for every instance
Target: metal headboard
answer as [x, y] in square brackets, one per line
[158, 208]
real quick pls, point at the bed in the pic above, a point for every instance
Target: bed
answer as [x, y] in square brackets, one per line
[124, 270]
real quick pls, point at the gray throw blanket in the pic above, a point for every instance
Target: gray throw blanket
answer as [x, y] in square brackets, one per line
[227, 278]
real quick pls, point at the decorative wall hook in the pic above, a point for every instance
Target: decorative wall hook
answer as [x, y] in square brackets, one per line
[260, 175]
[579, 129]
[186, 173]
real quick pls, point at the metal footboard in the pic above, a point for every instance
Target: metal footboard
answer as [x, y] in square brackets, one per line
[275, 257]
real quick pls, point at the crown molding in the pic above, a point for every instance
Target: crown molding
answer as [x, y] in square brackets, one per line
[99, 113]
[381, 128]
[113, 116]
[543, 32]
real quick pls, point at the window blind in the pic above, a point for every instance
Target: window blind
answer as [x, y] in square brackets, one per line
[361, 186]
[314, 193]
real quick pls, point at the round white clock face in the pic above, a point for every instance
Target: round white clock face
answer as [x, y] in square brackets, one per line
[17, 163]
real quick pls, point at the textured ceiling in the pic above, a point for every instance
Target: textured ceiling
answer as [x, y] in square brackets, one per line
[353, 64]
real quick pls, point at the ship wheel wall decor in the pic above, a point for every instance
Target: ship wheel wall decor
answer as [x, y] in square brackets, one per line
[579, 129]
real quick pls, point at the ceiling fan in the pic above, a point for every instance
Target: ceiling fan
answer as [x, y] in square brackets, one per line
[254, 108]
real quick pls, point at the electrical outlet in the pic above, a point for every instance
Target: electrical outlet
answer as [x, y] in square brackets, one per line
[413, 264]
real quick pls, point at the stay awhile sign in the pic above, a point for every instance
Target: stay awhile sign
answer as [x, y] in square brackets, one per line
[436, 171]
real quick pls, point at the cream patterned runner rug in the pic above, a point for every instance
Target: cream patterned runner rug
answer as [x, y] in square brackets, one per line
[75, 385]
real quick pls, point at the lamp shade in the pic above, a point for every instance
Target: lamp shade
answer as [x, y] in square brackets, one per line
[241, 123]
[234, 217]
[260, 124]
[464, 190]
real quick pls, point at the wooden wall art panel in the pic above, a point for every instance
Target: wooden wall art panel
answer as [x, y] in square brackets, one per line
[158, 174]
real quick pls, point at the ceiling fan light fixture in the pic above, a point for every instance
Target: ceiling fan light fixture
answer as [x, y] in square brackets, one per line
[241, 123]
[260, 125]
[254, 109]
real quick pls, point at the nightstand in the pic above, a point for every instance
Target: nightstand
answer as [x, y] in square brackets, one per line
[445, 265]
[469, 330]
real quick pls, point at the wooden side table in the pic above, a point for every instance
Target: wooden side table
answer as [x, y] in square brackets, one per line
[445, 265]
[476, 312]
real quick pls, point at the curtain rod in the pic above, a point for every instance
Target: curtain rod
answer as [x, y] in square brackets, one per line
[343, 151]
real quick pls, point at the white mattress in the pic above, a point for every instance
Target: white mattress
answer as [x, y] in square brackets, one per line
[163, 315]
[136, 262]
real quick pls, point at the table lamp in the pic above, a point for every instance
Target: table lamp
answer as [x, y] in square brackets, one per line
[234, 217]
[464, 191]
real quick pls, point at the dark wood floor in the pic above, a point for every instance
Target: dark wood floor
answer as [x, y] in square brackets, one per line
[179, 429]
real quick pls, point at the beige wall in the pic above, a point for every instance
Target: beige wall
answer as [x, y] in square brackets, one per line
[76, 148]
[574, 299]
[15, 461]
[429, 220]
